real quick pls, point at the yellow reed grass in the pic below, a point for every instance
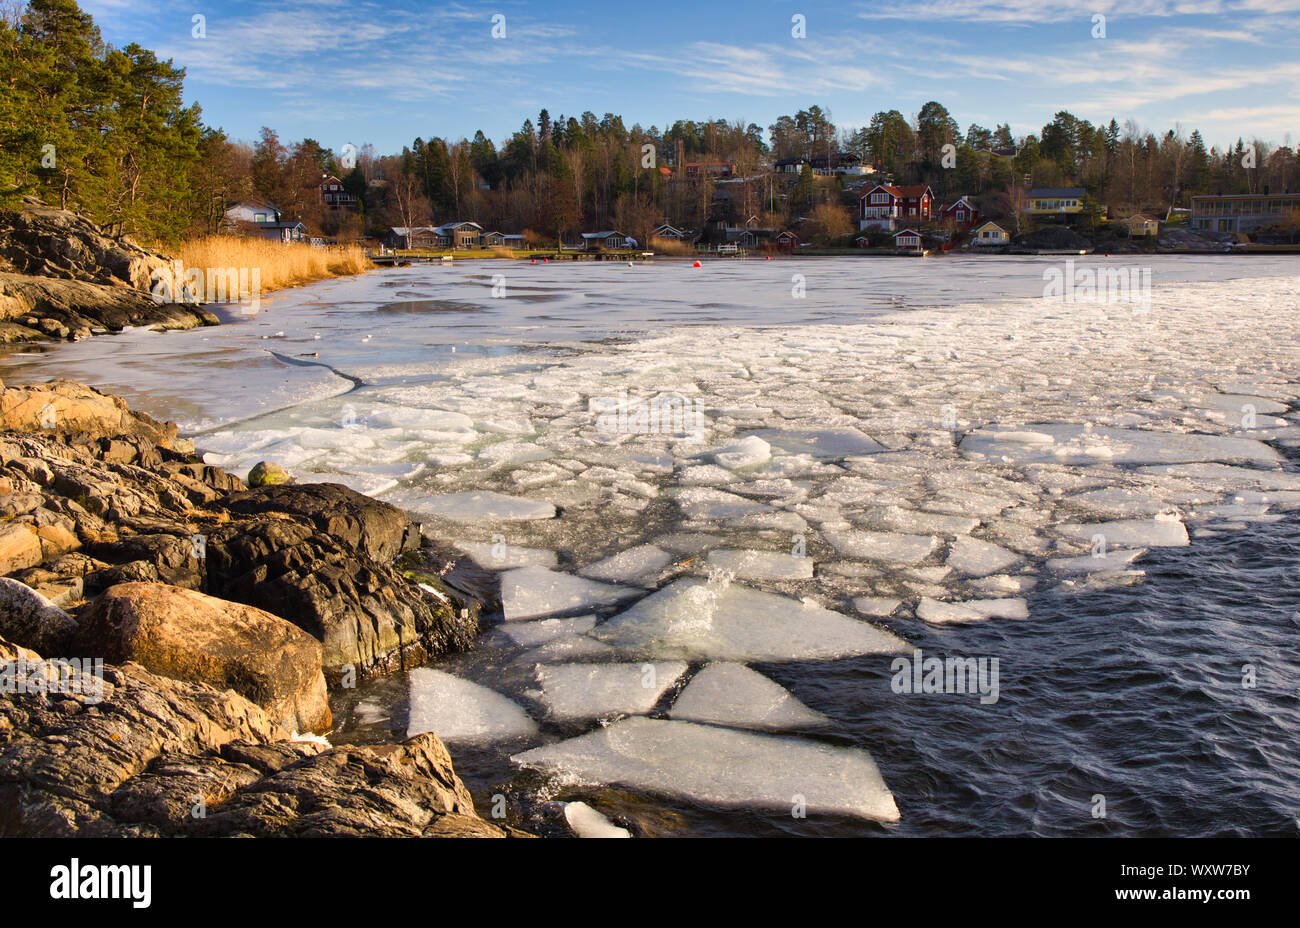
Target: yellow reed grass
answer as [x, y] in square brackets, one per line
[281, 264]
[670, 246]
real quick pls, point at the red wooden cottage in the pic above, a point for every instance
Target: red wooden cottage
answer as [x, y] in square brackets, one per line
[884, 205]
[961, 213]
[908, 240]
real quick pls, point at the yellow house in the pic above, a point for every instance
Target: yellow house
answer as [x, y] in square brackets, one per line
[1139, 225]
[990, 233]
[1054, 201]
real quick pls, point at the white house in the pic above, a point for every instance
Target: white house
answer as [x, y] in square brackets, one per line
[257, 211]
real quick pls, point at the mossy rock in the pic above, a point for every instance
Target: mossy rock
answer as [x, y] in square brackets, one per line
[266, 474]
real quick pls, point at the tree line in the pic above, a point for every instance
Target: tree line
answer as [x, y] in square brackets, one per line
[104, 130]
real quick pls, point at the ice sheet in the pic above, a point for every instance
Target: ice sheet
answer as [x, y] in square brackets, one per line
[699, 620]
[532, 592]
[578, 692]
[457, 710]
[733, 695]
[722, 767]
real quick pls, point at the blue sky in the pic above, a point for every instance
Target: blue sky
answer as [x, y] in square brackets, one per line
[384, 72]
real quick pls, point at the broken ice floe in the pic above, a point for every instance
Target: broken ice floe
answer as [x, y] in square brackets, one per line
[586, 822]
[1077, 444]
[759, 565]
[971, 610]
[723, 767]
[733, 695]
[580, 692]
[484, 507]
[698, 620]
[457, 710]
[533, 592]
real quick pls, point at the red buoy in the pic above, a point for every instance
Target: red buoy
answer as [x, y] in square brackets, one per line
[697, 264]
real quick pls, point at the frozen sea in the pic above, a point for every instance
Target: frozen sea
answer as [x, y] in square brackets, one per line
[728, 517]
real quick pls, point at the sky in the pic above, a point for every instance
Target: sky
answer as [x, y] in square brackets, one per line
[364, 71]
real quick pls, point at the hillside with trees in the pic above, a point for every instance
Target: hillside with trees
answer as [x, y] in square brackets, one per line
[105, 131]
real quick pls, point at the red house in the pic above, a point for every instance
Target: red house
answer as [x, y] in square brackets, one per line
[961, 213]
[908, 240]
[884, 206]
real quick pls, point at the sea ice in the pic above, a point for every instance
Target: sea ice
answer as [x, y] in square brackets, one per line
[748, 452]
[876, 605]
[1130, 533]
[535, 634]
[504, 557]
[458, 710]
[760, 565]
[1113, 559]
[821, 443]
[532, 592]
[898, 519]
[569, 648]
[715, 505]
[485, 506]
[733, 695]
[578, 692]
[641, 565]
[1077, 444]
[586, 822]
[971, 610]
[886, 547]
[722, 767]
[975, 558]
[698, 620]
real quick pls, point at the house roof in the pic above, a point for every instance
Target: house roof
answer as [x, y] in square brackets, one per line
[901, 191]
[450, 226]
[602, 234]
[412, 230]
[989, 222]
[1038, 193]
[280, 225]
[955, 203]
[907, 232]
[1139, 216]
[253, 205]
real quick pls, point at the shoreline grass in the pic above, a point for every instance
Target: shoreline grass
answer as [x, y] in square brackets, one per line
[281, 264]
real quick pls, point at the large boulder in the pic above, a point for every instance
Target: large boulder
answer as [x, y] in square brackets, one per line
[20, 547]
[369, 617]
[65, 407]
[375, 528]
[29, 619]
[137, 754]
[189, 636]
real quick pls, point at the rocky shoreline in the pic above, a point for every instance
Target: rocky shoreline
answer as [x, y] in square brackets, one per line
[167, 631]
[61, 277]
